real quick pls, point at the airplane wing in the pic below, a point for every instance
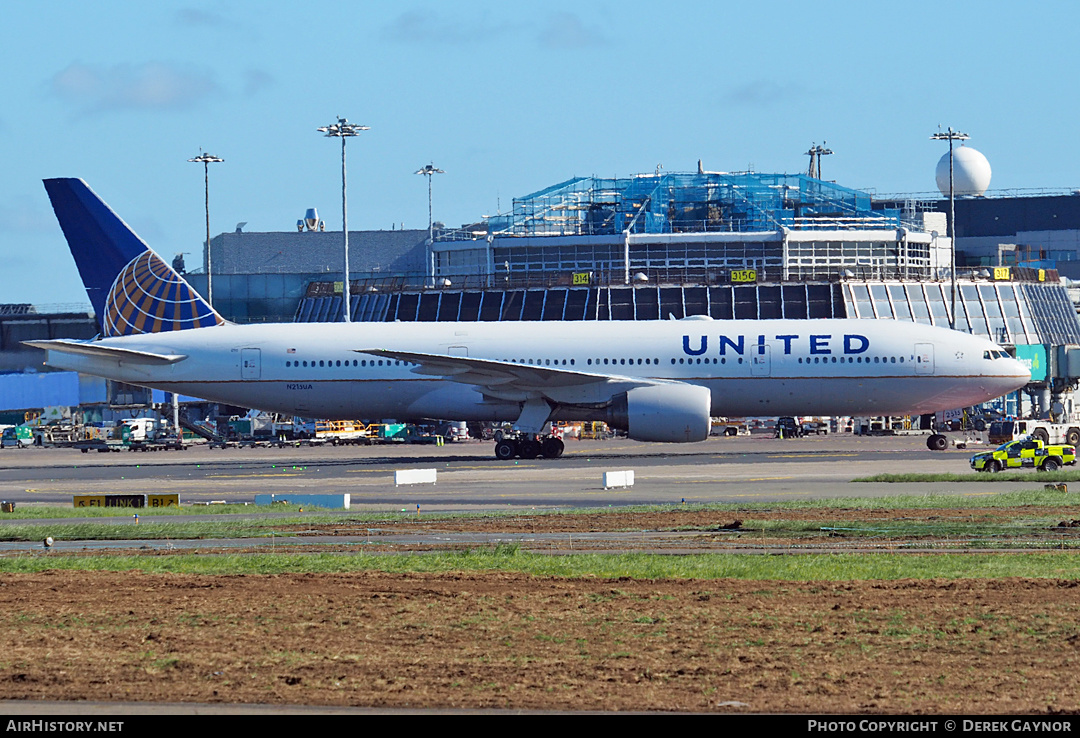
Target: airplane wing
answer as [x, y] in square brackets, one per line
[512, 381]
[129, 356]
[660, 409]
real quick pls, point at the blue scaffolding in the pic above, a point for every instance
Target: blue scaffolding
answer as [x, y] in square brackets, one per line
[673, 202]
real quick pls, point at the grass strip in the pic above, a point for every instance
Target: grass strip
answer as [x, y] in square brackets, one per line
[1034, 496]
[42, 512]
[247, 522]
[801, 567]
[144, 531]
[1034, 477]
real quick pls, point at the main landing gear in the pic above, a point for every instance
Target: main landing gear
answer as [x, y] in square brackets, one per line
[937, 442]
[528, 446]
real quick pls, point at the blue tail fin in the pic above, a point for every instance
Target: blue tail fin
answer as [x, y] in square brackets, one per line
[131, 288]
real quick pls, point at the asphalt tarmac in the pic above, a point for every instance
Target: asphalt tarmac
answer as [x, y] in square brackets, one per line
[742, 469]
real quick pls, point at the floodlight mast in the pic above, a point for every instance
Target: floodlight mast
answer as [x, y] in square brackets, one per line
[429, 171]
[343, 129]
[206, 160]
[815, 153]
[951, 136]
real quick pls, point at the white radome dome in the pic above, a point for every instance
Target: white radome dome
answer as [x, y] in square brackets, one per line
[971, 172]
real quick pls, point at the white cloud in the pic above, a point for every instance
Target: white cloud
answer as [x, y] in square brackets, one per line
[203, 19]
[428, 26]
[567, 31]
[148, 86]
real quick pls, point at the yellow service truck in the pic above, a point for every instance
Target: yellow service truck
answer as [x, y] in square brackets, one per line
[1025, 452]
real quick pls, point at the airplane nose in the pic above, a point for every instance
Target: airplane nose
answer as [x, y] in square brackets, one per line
[1021, 370]
[1013, 372]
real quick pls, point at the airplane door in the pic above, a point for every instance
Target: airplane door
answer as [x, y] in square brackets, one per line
[924, 358]
[250, 363]
[761, 361]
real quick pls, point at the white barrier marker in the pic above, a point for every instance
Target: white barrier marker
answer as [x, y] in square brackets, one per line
[414, 476]
[619, 479]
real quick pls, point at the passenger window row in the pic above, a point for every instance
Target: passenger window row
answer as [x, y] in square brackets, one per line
[853, 360]
[540, 362]
[332, 363]
[624, 362]
[722, 360]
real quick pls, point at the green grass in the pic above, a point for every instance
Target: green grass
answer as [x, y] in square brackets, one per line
[966, 527]
[253, 522]
[1035, 496]
[145, 530]
[830, 567]
[1035, 478]
[1025, 498]
[41, 512]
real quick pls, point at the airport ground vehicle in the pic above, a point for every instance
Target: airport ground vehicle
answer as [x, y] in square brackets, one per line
[59, 432]
[722, 427]
[16, 436]
[132, 434]
[342, 431]
[451, 430]
[789, 427]
[1002, 431]
[1025, 453]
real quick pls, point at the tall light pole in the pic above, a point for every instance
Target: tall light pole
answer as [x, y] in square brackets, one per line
[951, 136]
[430, 170]
[343, 129]
[206, 160]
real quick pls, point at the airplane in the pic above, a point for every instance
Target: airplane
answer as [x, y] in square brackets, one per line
[659, 380]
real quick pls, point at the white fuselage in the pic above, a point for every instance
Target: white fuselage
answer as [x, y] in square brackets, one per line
[752, 368]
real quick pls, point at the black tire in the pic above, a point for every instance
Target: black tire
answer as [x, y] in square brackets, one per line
[498, 436]
[1041, 434]
[731, 431]
[552, 448]
[993, 466]
[1051, 465]
[505, 450]
[529, 449]
[1072, 436]
[937, 442]
[979, 424]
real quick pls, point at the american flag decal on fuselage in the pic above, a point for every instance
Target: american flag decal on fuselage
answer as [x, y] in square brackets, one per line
[149, 297]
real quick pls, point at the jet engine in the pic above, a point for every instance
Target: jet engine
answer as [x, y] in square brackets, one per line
[675, 413]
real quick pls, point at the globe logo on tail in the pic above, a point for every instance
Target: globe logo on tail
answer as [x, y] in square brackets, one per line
[149, 297]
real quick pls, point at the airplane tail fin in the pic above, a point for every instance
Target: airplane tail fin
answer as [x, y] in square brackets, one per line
[131, 288]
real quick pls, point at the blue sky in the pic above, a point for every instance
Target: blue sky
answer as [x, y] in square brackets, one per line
[507, 98]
